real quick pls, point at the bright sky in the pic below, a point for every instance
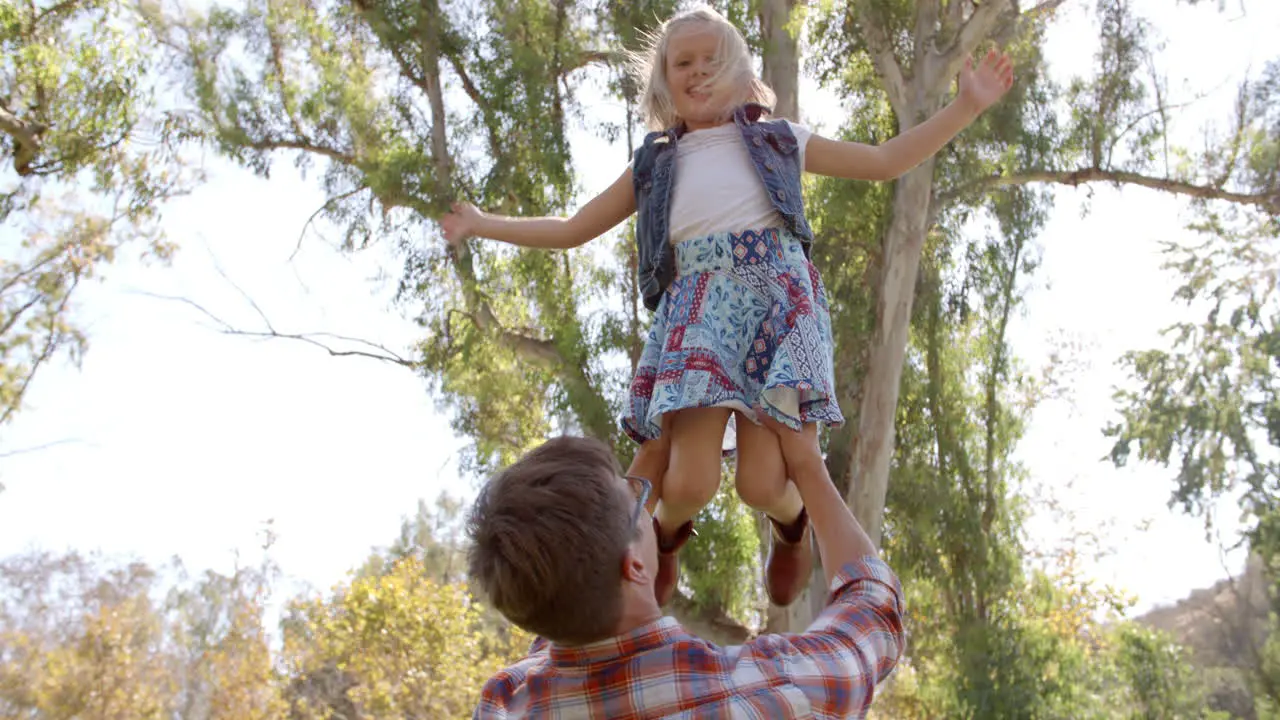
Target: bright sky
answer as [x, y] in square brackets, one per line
[177, 440]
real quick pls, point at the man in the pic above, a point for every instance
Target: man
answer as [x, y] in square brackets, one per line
[563, 546]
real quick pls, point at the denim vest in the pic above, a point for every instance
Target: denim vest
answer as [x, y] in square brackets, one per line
[773, 150]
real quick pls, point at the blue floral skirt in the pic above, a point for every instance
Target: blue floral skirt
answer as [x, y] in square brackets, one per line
[745, 324]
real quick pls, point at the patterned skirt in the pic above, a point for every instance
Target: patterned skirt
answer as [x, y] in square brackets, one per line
[745, 324]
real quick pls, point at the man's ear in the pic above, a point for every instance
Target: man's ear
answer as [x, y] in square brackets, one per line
[634, 568]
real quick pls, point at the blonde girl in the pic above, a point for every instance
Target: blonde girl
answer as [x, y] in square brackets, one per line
[741, 324]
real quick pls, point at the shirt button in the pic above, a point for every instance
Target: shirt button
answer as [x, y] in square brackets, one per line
[768, 166]
[757, 141]
[782, 194]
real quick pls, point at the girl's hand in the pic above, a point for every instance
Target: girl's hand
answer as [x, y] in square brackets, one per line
[980, 88]
[460, 224]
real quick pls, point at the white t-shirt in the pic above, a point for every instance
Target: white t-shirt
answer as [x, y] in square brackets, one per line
[717, 187]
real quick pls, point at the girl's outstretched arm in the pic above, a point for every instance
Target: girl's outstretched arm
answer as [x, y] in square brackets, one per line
[597, 217]
[979, 88]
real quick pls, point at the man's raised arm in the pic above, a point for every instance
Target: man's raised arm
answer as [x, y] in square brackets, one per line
[857, 640]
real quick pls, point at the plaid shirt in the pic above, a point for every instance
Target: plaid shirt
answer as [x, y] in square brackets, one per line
[660, 671]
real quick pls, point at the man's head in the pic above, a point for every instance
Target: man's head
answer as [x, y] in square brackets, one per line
[562, 546]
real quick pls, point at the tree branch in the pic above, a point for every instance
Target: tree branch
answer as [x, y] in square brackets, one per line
[304, 145]
[473, 92]
[593, 57]
[460, 255]
[40, 262]
[424, 72]
[526, 345]
[1161, 109]
[435, 98]
[468, 85]
[1267, 201]
[955, 14]
[996, 377]
[927, 15]
[1014, 30]
[37, 448]
[327, 204]
[311, 338]
[248, 298]
[53, 10]
[276, 60]
[50, 345]
[1043, 8]
[26, 139]
[1237, 135]
[17, 314]
[972, 32]
[881, 48]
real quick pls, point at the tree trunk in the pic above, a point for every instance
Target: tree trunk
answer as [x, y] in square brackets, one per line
[873, 451]
[914, 98]
[710, 625]
[781, 71]
[781, 56]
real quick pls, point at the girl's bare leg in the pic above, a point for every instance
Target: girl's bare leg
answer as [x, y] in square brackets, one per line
[690, 483]
[651, 463]
[693, 475]
[762, 484]
[762, 475]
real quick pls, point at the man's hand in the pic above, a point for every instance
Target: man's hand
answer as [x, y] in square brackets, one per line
[840, 538]
[800, 448]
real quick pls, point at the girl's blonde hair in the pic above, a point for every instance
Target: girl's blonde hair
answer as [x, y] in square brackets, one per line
[733, 84]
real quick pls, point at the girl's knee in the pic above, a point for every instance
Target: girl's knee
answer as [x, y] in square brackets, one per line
[693, 472]
[692, 479]
[694, 490]
[761, 486]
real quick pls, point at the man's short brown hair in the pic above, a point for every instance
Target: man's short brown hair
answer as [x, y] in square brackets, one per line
[547, 539]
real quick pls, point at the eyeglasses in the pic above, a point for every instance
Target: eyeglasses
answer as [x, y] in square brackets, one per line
[641, 487]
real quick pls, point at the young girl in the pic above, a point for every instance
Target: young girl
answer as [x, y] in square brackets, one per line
[741, 323]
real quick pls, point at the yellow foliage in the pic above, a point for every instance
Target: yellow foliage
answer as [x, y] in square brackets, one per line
[78, 643]
[403, 646]
[901, 697]
[239, 673]
[106, 669]
[1080, 607]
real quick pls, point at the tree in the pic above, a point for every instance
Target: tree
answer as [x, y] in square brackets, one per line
[75, 642]
[554, 330]
[1206, 404]
[433, 537]
[81, 637]
[219, 649]
[479, 98]
[1159, 674]
[915, 81]
[90, 161]
[399, 644]
[953, 520]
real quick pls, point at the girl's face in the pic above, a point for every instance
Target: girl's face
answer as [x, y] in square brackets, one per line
[691, 60]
